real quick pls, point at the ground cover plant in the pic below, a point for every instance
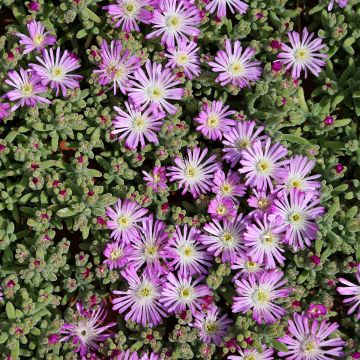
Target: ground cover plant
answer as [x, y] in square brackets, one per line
[179, 179]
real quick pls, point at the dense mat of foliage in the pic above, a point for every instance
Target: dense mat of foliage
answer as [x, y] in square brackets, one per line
[114, 245]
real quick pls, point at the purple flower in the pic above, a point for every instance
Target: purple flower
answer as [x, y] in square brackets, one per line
[181, 293]
[261, 164]
[222, 208]
[141, 301]
[116, 65]
[124, 220]
[260, 295]
[156, 179]
[235, 66]
[296, 213]
[214, 120]
[55, 69]
[137, 126]
[262, 202]
[188, 255]
[240, 138]
[4, 110]
[175, 21]
[27, 89]
[228, 186]
[246, 267]
[316, 310]
[309, 340]
[263, 239]
[220, 5]
[353, 291]
[116, 254]
[184, 57]
[126, 355]
[212, 327]
[192, 173]
[86, 330]
[38, 38]
[127, 13]
[225, 238]
[303, 55]
[155, 88]
[248, 354]
[296, 175]
[341, 3]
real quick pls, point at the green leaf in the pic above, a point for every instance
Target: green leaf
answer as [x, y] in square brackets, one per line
[295, 139]
[279, 346]
[3, 337]
[92, 16]
[10, 311]
[15, 350]
[65, 212]
[81, 34]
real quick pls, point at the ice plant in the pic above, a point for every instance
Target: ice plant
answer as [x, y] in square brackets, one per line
[303, 54]
[214, 120]
[127, 13]
[154, 88]
[221, 208]
[56, 69]
[175, 21]
[181, 292]
[116, 255]
[240, 138]
[253, 354]
[156, 178]
[141, 301]
[262, 202]
[225, 238]
[193, 173]
[27, 89]
[310, 340]
[37, 39]
[185, 58]
[116, 65]
[296, 213]
[235, 6]
[235, 66]
[137, 126]
[228, 186]
[187, 254]
[4, 110]
[262, 164]
[124, 220]
[353, 291]
[260, 295]
[87, 330]
[246, 267]
[341, 3]
[212, 326]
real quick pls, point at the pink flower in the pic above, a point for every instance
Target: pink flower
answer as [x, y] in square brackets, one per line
[228, 186]
[222, 208]
[247, 354]
[4, 110]
[341, 3]
[156, 179]
[234, 6]
[235, 66]
[116, 254]
[353, 291]
[316, 310]
[262, 202]
[247, 267]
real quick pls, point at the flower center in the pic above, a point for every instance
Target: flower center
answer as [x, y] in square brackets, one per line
[250, 357]
[123, 221]
[116, 254]
[295, 218]
[236, 68]
[173, 22]
[119, 72]
[221, 210]
[186, 293]
[191, 172]
[268, 238]
[155, 93]
[144, 292]
[295, 183]
[264, 167]
[182, 59]
[57, 73]
[251, 266]
[139, 123]
[244, 143]
[27, 89]
[310, 346]
[151, 250]
[226, 189]
[213, 121]
[302, 54]
[38, 39]
[211, 327]
[261, 297]
[227, 238]
[263, 203]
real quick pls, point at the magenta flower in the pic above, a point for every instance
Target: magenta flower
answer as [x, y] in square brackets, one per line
[212, 327]
[221, 208]
[296, 213]
[188, 256]
[235, 66]
[260, 295]
[37, 38]
[181, 293]
[124, 220]
[247, 267]
[155, 88]
[262, 202]
[156, 179]
[137, 126]
[116, 254]
[240, 138]
[192, 173]
[263, 239]
[261, 164]
[352, 290]
[235, 6]
[152, 356]
[175, 21]
[86, 331]
[4, 110]
[126, 355]
[141, 300]
[341, 3]
[214, 120]
[127, 13]
[296, 175]
[27, 89]
[116, 65]
[303, 55]
[316, 310]
[228, 186]
[184, 57]
[309, 340]
[55, 69]
[225, 239]
[248, 354]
